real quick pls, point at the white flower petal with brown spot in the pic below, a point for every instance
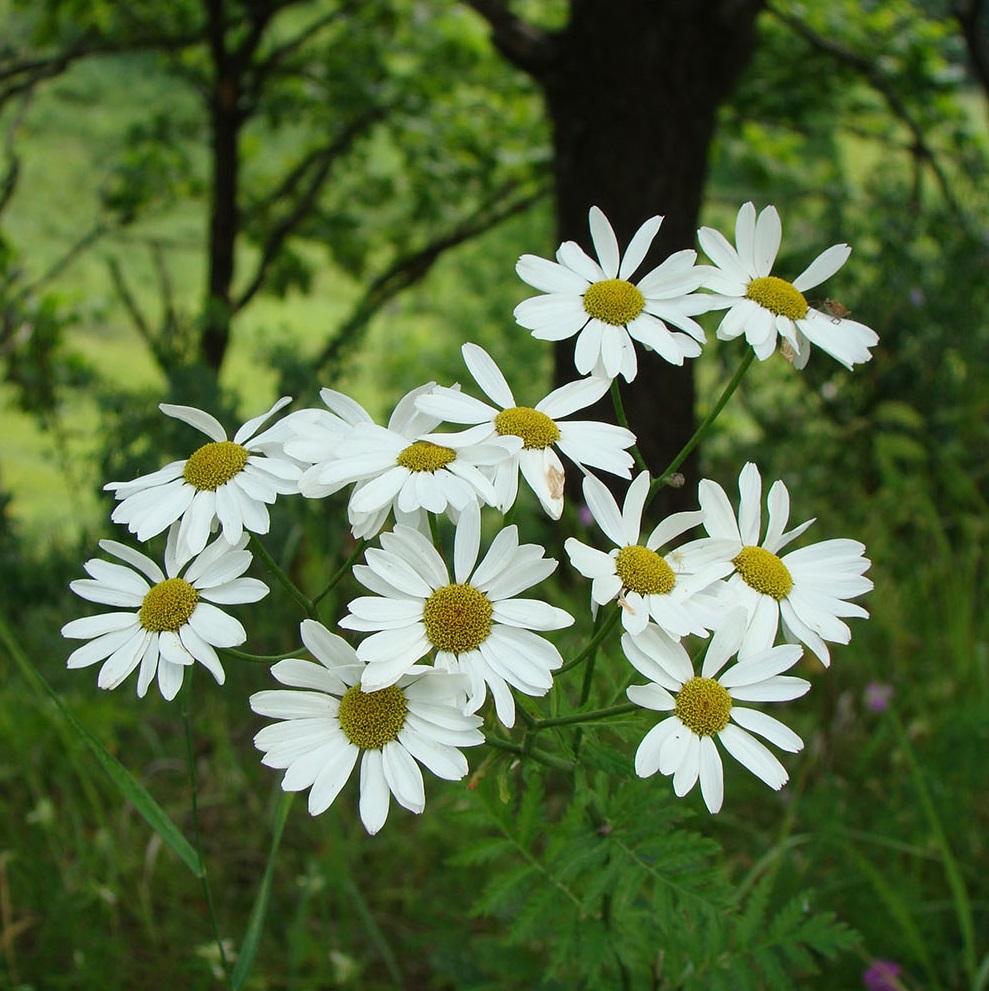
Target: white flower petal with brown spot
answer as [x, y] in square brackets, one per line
[326, 723]
[540, 429]
[704, 709]
[170, 621]
[806, 590]
[766, 308]
[399, 473]
[229, 482]
[474, 623]
[597, 302]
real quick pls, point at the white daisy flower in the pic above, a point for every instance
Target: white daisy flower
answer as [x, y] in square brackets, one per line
[475, 623]
[596, 300]
[175, 623]
[315, 435]
[704, 708]
[396, 470]
[229, 481]
[765, 307]
[588, 443]
[646, 583]
[332, 721]
[805, 589]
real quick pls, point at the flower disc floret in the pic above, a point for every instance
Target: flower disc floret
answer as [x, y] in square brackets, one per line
[372, 719]
[423, 455]
[214, 464]
[764, 571]
[779, 296]
[457, 618]
[536, 429]
[644, 571]
[613, 301]
[703, 706]
[168, 605]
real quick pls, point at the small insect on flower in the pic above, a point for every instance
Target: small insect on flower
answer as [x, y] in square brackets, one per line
[838, 311]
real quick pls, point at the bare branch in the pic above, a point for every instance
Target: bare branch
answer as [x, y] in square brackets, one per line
[22, 75]
[524, 45]
[972, 19]
[313, 171]
[410, 268]
[134, 311]
[880, 82]
[266, 66]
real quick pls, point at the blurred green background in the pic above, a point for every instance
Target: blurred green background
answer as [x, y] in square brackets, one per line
[391, 165]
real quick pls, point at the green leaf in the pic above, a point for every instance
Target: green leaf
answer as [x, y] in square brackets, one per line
[126, 783]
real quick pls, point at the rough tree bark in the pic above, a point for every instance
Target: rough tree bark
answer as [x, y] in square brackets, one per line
[633, 89]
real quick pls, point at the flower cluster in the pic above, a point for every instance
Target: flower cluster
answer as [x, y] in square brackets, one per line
[439, 629]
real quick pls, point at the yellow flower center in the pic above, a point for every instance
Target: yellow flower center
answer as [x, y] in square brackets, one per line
[214, 464]
[703, 706]
[778, 296]
[644, 571]
[536, 429]
[168, 605]
[372, 719]
[614, 301]
[764, 571]
[457, 618]
[425, 456]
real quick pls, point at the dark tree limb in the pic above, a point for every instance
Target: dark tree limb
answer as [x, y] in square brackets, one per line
[868, 68]
[527, 47]
[973, 19]
[412, 267]
[316, 170]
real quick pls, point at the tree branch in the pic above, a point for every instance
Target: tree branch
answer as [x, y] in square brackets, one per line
[266, 66]
[877, 79]
[971, 15]
[21, 75]
[414, 266]
[524, 45]
[317, 165]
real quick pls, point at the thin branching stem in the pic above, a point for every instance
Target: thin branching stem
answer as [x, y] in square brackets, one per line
[343, 570]
[272, 565]
[190, 753]
[616, 399]
[706, 423]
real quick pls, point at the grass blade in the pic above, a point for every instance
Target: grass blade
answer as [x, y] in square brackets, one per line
[125, 782]
[255, 925]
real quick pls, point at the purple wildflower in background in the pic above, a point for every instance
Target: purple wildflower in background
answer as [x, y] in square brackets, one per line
[883, 975]
[878, 696]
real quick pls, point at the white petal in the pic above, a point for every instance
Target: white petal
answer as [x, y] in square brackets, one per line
[374, 799]
[403, 776]
[822, 267]
[749, 752]
[712, 775]
[205, 422]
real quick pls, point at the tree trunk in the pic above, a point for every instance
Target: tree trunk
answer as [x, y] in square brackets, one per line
[633, 89]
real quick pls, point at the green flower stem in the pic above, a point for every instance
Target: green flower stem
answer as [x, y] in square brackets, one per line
[243, 655]
[606, 627]
[344, 568]
[699, 433]
[190, 754]
[616, 399]
[543, 756]
[272, 565]
[434, 531]
[580, 718]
